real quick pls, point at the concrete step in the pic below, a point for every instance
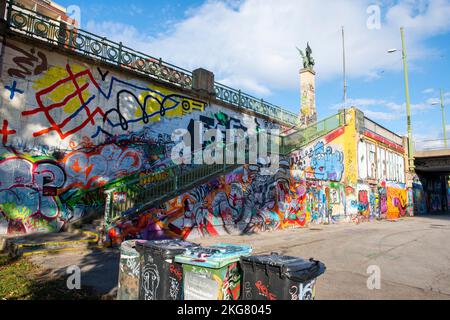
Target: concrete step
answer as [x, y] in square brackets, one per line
[32, 244]
[94, 226]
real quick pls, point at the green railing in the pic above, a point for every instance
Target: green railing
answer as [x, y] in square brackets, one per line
[134, 197]
[31, 24]
[137, 195]
[302, 137]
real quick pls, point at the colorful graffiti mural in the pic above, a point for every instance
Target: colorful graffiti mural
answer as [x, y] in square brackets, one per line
[397, 200]
[319, 162]
[77, 127]
[243, 201]
[70, 128]
[29, 194]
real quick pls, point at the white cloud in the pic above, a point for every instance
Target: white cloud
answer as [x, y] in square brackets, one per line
[433, 101]
[428, 91]
[382, 110]
[381, 115]
[250, 44]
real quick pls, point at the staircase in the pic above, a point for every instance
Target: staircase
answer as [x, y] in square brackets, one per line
[136, 197]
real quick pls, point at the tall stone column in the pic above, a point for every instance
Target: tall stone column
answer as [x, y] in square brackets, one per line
[308, 111]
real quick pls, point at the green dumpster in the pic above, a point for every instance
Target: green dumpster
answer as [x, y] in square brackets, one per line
[212, 273]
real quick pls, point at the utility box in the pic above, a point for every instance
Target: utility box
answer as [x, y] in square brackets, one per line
[203, 82]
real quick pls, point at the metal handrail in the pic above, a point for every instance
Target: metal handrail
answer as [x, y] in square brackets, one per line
[32, 24]
[304, 136]
[37, 26]
[137, 196]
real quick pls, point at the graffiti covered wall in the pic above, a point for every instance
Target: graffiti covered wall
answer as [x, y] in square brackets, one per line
[313, 186]
[69, 127]
[307, 188]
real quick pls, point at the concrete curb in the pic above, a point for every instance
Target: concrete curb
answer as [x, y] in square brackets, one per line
[15, 249]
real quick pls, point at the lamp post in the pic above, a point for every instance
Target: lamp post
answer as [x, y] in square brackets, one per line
[444, 126]
[408, 101]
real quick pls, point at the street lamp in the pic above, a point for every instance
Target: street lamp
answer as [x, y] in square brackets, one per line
[444, 127]
[408, 101]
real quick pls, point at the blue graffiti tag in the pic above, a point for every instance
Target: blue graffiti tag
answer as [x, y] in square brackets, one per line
[327, 165]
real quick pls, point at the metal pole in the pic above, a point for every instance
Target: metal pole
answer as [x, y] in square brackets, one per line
[344, 69]
[408, 104]
[444, 126]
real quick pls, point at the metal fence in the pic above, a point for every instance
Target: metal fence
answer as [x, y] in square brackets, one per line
[134, 196]
[243, 100]
[303, 136]
[31, 24]
[431, 145]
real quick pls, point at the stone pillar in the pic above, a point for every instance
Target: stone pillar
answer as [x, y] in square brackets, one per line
[308, 112]
[203, 82]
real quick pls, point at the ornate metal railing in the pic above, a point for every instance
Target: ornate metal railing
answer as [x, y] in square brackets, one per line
[243, 100]
[37, 26]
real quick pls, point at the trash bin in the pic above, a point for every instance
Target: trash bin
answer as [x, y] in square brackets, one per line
[276, 277]
[128, 286]
[160, 277]
[212, 273]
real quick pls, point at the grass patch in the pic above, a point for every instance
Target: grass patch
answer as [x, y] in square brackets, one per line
[23, 280]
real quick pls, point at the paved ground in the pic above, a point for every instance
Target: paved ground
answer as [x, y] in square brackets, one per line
[413, 254]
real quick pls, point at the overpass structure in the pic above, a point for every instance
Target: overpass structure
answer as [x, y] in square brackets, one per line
[432, 156]
[432, 161]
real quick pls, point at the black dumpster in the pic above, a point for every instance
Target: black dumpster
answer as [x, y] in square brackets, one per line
[276, 277]
[128, 286]
[160, 277]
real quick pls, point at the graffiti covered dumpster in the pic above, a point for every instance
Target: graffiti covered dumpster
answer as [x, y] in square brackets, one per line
[275, 277]
[161, 278]
[128, 286]
[213, 273]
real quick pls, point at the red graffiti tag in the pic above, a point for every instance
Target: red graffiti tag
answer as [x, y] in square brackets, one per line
[5, 132]
[177, 273]
[263, 290]
[72, 118]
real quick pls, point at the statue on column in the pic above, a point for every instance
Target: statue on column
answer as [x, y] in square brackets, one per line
[308, 111]
[308, 60]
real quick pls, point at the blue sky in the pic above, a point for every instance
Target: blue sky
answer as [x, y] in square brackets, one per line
[250, 44]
